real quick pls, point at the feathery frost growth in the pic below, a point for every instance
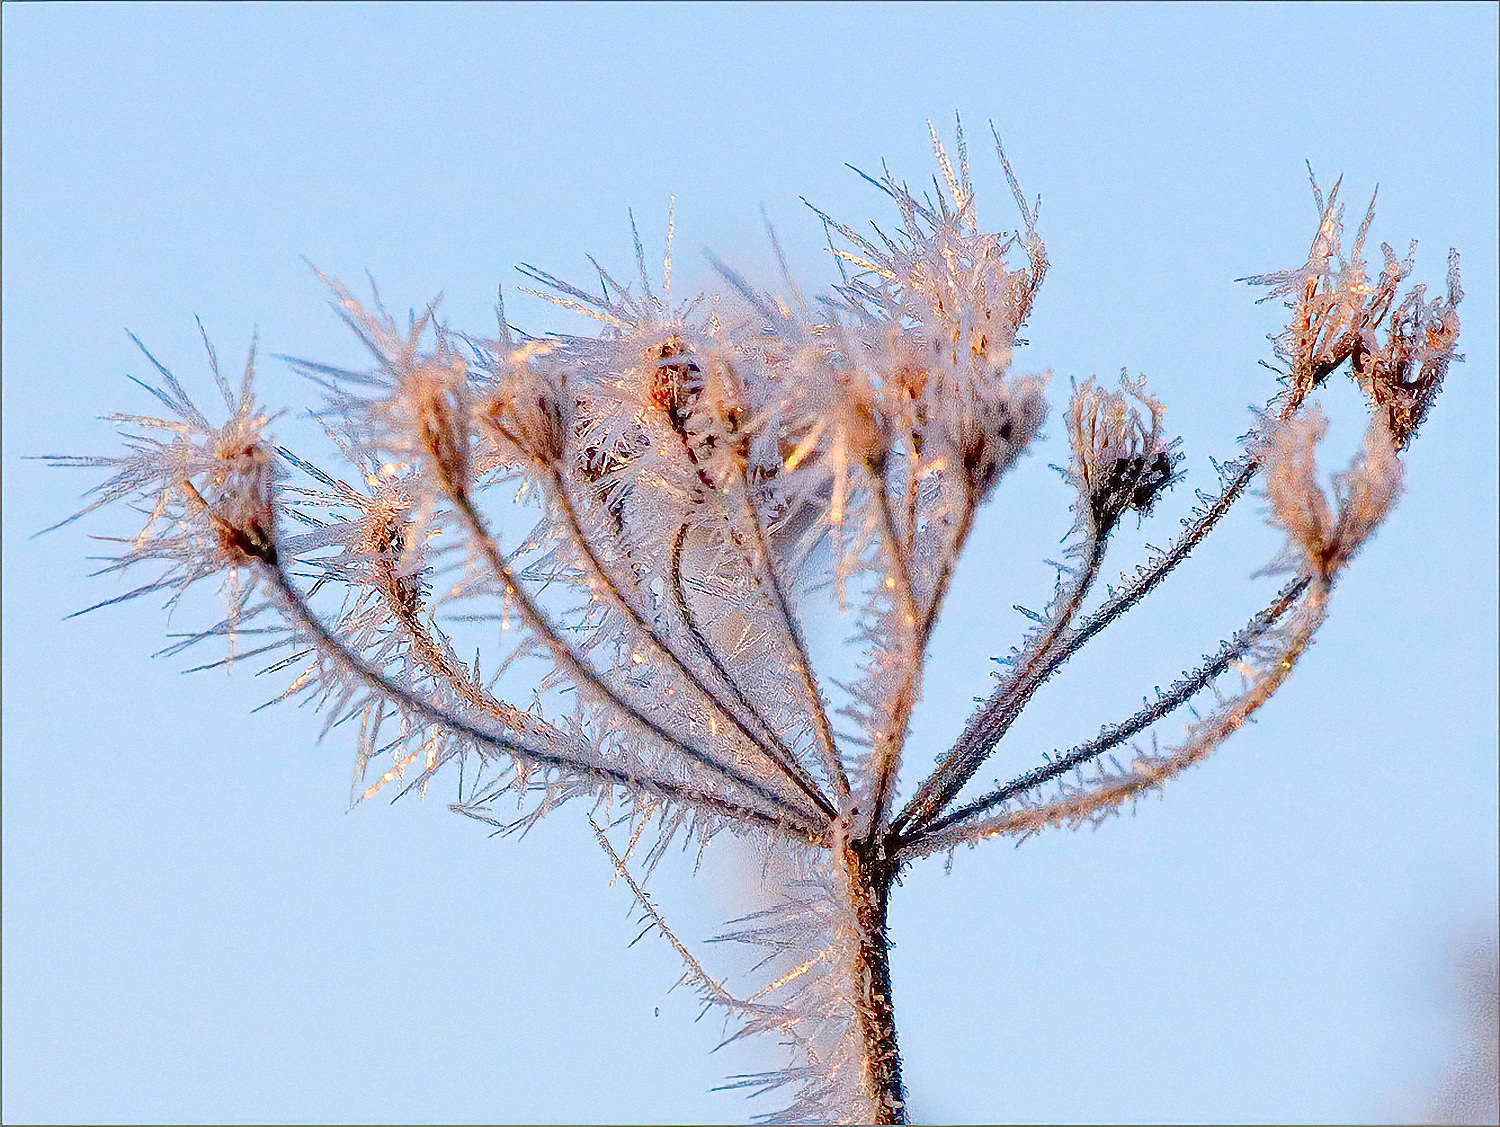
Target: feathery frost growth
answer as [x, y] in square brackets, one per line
[696, 471]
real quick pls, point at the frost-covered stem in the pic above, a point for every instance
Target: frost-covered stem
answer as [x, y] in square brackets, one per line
[900, 571]
[330, 647]
[1162, 566]
[1115, 734]
[711, 991]
[778, 752]
[909, 487]
[906, 699]
[768, 738]
[614, 593]
[1108, 793]
[436, 662]
[993, 718]
[888, 749]
[870, 875]
[585, 677]
[1193, 535]
[800, 775]
[945, 571]
[817, 710]
[711, 655]
[775, 751]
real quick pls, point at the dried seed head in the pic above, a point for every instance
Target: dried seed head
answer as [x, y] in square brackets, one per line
[525, 417]
[1298, 505]
[412, 406]
[381, 544]
[1323, 537]
[1120, 461]
[674, 380]
[208, 491]
[388, 546]
[1403, 376]
[239, 477]
[238, 506]
[993, 425]
[676, 387]
[863, 428]
[434, 398]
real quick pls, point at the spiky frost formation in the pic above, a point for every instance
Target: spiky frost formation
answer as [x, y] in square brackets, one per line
[695, 472]
[1339, 315]
[207, 492]
[1321, 536]
[1120, 461]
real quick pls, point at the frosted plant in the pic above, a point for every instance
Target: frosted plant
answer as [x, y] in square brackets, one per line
[695, 473]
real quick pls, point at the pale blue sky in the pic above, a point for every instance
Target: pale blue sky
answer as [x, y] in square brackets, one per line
[196, 930]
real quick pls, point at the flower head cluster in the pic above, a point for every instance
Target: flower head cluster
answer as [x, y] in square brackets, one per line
[1403, 374]
[207, 492]
[1323, 536]
[411, 410]
[952, 304]
[1339, 314]
[695, 470]
[1121, 460]
[697, 415]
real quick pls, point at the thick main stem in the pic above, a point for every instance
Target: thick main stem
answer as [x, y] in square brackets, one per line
[870, 877]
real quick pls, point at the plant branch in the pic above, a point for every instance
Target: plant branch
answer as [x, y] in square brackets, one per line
[995, 716]
[781, 755]
[435, 659]
[583, 675]
[1113, 735]
[711, 655]
[786, 818]
[711, 991]
[888, 750]
[775, 751]
[1107, 793]
[762, 559]
[946, 566]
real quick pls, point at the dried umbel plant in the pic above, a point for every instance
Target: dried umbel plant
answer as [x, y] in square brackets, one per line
[698, 471]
